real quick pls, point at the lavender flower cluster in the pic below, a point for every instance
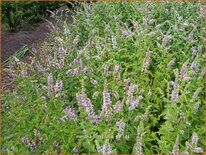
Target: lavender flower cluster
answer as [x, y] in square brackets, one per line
[31, 143]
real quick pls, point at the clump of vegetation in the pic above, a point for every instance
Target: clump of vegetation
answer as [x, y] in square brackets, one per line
[15, 13]
[123, 78]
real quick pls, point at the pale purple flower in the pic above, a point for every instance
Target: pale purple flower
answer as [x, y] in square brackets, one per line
[106, 107]
[25, 139]
[12, 64]
[85, 70]
[151, 34]
[194, 26]
[88, 105]
[171, 83]
[39, 67]
[32, 145]
[75, 71]
[157, 27]
[194, 139]
[132, 89]
[75, 149]
[134, 103]
[37, 133]
[96, 93]
[42, 140]
[118, 136]
[175, 149]
[49, 57]
[180, 18]
[89, 42]
[84, 101]
[64, 118]
[125, 32]
[202, 11]
[196, 107]
[186, 78]
[166, 39]
[80, 99]
[58, 86]
[194, 66]
[12, 72]
[69, 72]
[79, 64]
[50, 84]
[151, 21]
[71, 113]
[171, 63]
[114, 41]
[94, 118]
[56, 143]
[193, 146]
[134, 23]
[107, 27]
[130, 98]
[106, 149]
[98, 147]
[118, 106]
[191, 36]
[121, 127]
[117, 71]
[43, 98]
[11, 148]
[188, 145]
[203, 72]
[61, 63]
[198, 150]
[194, 50]
[138, 147]
[184, 68]
[94, 30]
[185, 24]
[116, 95]
[94, 82]
[24, 71]
[175, 92]
[182, 116]
[127, 82]
[146, 61]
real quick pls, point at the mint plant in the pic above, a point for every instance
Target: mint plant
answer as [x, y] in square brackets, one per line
[123, 78]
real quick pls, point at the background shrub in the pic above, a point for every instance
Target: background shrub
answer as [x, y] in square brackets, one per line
[15, 13]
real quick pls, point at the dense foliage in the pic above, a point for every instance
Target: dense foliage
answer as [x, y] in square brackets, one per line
[15, 13]
[123, 78]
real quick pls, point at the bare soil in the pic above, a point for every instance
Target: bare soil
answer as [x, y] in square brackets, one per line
[29, 34]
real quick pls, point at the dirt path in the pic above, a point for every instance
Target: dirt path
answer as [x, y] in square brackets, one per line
[29, 34]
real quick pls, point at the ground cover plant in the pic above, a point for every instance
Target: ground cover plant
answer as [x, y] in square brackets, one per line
[123, 78]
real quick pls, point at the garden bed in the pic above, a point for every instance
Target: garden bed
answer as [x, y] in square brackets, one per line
[124, 78]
